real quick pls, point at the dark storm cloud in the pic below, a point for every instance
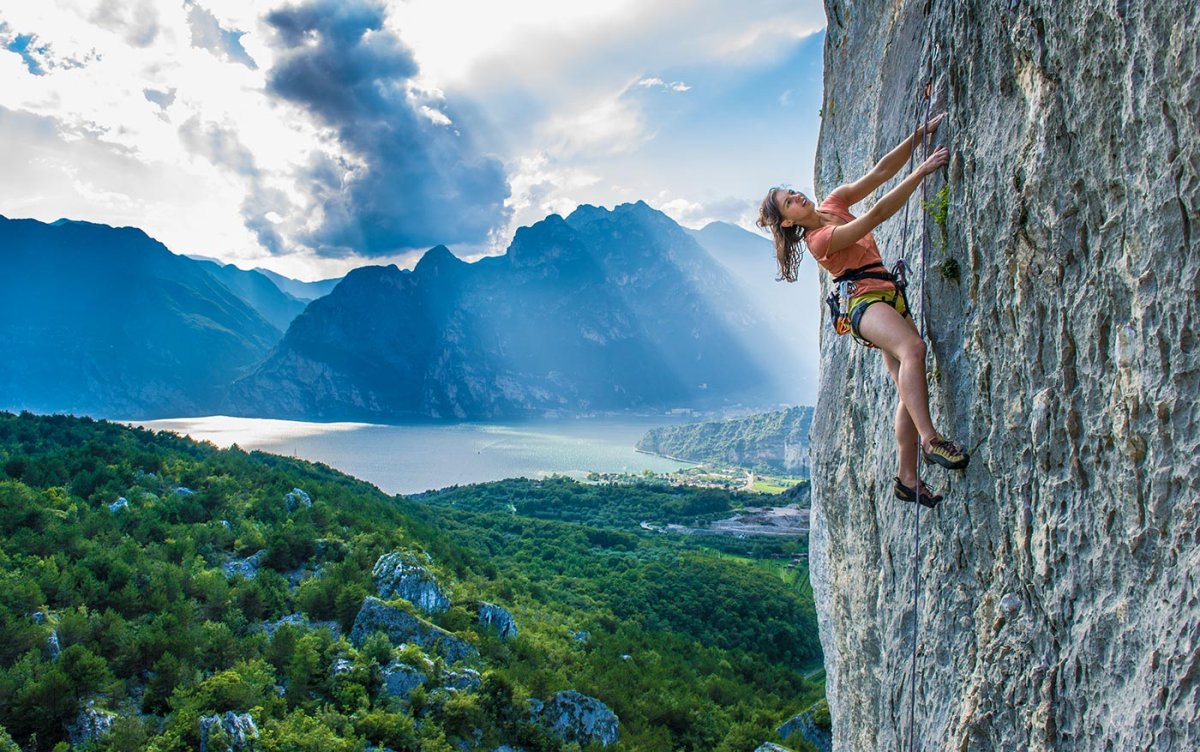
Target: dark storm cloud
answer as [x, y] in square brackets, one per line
[208, 34]
[421, 181]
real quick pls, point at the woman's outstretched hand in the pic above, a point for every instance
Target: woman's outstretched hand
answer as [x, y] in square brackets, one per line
[932, 125]
[937, 159]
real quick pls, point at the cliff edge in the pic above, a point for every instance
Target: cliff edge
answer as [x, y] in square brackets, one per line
[1059, 581]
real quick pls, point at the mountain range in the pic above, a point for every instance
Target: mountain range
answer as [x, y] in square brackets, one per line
[103, 320]
[601, 311]
[260, 292]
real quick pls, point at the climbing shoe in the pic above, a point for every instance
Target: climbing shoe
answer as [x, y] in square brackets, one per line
[904, 493]
[946, 453]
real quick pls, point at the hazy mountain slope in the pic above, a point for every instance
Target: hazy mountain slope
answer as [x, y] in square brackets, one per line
[791, 311]
[107, 321]
[259, 292]
[301, 290]
[776, 440]
[601, 311]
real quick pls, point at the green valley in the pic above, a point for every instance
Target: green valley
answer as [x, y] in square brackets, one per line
[156, 592]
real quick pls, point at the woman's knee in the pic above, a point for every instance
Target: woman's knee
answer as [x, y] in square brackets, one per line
[911, 349]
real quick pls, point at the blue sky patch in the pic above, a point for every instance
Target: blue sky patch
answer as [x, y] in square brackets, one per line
[21, 46]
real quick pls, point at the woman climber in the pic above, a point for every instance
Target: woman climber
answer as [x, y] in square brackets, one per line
[842, 244]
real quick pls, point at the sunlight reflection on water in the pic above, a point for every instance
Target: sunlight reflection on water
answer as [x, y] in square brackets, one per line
[414, 458]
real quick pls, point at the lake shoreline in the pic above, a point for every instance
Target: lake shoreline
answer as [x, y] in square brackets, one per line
[415, 458]
[667, 456]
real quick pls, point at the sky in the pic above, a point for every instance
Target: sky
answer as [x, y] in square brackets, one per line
[313, 137]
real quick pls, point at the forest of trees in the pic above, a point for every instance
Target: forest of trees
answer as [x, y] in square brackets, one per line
[149, 626]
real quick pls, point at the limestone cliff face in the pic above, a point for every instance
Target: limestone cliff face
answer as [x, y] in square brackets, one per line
[1060, 580]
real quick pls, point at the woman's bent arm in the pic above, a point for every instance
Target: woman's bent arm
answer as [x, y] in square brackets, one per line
[846, 235]
[885, 168]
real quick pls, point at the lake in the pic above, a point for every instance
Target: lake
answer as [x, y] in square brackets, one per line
[404, 459]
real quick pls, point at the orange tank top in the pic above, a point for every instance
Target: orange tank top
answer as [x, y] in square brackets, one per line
[861, 253]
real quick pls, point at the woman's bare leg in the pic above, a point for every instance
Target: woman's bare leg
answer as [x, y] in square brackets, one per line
[897, 336]
[906, 432]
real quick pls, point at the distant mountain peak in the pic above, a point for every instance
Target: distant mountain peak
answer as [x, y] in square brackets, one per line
[720, 224]
[373, 274]
[638, 212]
[83, 223]
[734, 235]
[299, 289]
[571, 320]
[542, 241]
[438, 260]
[586, 214]
[552, 223]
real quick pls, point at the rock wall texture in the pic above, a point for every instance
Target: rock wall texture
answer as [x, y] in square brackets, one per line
[1059, 588]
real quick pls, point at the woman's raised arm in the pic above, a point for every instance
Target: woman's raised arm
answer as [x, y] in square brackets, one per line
[885, 168]
[846, 235]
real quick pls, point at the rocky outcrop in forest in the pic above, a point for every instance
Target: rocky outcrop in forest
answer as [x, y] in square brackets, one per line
[1058, 596]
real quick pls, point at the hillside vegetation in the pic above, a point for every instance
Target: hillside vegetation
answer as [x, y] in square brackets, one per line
[127, 594]
[774, 442]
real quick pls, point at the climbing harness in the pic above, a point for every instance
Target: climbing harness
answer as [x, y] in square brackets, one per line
[841, 309]
[844, 287]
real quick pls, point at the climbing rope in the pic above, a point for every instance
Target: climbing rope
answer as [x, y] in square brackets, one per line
[912, 700]
[927, 94]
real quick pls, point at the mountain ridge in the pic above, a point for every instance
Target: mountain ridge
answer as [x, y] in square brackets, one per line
[570, 319]
[601, 311]
[108, 321]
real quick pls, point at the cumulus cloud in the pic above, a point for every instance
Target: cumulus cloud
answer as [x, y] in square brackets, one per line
[218, 144]
[402, 174]
[208, 34]
[55, 169]
[541, 185]
[697, 214]
[38, 55]
[265, 206]
[163, 99]
[136, 22]
[658, 83]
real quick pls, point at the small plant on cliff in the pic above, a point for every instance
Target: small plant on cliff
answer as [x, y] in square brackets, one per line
[949, 270]
[820, 715]
[938, 209]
